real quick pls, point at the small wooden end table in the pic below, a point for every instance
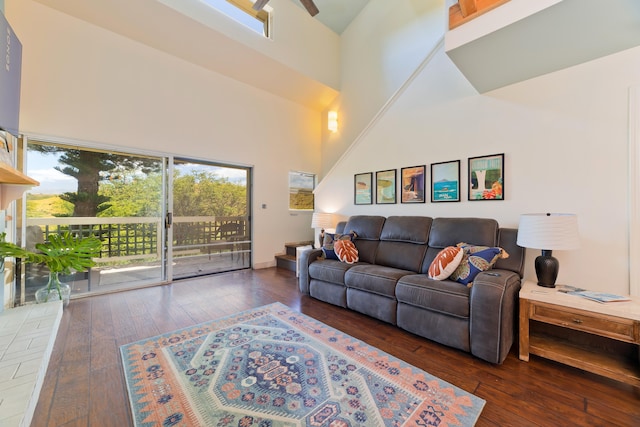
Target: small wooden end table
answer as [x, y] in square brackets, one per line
[602, 338]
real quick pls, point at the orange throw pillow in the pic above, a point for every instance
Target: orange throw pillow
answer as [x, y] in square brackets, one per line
[346, 251]
[445, 263]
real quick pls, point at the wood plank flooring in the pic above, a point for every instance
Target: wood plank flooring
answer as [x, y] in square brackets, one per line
[85, 386]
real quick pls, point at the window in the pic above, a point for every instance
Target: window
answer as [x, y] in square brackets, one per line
[159, 218]
[301, 185]
[242, 11]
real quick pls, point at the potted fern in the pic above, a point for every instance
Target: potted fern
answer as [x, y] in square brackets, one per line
[61, 253]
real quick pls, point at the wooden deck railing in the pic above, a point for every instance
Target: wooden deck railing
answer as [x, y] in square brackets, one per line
[134, 238]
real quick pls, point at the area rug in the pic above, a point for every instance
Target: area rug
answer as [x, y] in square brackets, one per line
[273, 366]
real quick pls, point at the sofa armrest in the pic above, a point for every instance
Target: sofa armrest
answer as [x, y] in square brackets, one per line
[306, 258]
[493, 311]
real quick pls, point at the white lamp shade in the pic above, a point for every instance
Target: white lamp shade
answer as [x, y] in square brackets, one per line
[548, 231]
[321, 220]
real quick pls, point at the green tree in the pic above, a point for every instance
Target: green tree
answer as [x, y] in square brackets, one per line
[132, 195]
[203, 193]
[89, 168]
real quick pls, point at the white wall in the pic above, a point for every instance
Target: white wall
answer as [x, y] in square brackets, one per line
[565, 142]
[297, 40]
[565, 139]
[84, 83]
[381, 48]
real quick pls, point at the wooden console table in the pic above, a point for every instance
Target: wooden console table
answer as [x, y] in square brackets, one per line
[603, 338]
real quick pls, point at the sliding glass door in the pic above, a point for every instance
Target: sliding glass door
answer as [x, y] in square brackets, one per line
[211, 227]
[159, 218]
[118, 197]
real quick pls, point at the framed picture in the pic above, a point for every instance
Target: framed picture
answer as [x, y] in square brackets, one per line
[412, 184]
[362, 190]
[445, 181]
[386, 187]
[486, 177]
[5, 151]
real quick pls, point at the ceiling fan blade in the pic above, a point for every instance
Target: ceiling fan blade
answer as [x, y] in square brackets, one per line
[259, 4]
[310, 6]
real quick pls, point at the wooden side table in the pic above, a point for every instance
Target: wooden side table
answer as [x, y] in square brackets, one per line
[603, 338]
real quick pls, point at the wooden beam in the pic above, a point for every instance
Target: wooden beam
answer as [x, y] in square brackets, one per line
[457, 18]
[467, 7]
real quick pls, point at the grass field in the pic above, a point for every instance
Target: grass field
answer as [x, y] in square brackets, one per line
[300, 199]
[47, 206]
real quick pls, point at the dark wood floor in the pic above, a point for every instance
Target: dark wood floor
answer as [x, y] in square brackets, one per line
[85, 386]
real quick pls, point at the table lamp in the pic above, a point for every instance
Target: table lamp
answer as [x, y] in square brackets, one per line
[321, 220]
[548, 232]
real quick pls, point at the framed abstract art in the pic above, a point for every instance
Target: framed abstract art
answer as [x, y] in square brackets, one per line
[362, 190]
[412, 184]
[486, 177]
[386, 187]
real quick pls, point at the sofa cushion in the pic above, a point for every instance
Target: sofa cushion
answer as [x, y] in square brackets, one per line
[445, 263]
[329, 270]
[374, 278]
[475, 260]
[451, 231]
[367, 228]
[411, 229]
[442, 296]
[403, 242]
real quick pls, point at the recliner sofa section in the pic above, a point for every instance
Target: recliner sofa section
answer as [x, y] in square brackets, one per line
[390, 281]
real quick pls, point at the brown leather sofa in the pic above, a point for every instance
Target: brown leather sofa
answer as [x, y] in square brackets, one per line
[389, 282]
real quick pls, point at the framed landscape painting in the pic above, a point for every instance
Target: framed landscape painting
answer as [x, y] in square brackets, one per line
[445, 181]
[386, 187]
[486, 177]
[412, 184]
[363, 188]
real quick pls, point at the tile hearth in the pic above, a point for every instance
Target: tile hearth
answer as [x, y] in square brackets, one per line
[27, 335]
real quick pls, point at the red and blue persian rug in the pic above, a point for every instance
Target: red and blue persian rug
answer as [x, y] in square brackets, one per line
[272, 366]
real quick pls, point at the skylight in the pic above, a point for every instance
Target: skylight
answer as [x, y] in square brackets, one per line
[242, 12]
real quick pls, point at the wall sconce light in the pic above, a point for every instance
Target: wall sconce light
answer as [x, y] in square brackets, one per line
[332, 121]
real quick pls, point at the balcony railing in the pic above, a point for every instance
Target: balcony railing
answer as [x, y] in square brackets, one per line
[137, 238]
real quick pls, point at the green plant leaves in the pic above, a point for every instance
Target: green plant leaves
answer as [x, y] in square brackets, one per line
[61, 253]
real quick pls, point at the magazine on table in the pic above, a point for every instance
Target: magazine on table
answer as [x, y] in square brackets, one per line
[601, 297]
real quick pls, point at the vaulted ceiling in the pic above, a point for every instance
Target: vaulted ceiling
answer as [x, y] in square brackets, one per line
[300, 63]
[337, 14]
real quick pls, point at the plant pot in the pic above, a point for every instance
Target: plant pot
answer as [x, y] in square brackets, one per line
[54, 290]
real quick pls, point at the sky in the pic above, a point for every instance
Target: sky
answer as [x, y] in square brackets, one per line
[41, 168]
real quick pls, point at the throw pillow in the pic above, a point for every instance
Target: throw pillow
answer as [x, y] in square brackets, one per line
[328, 249]
[346, 251]
[475, 260]
[445, 263]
